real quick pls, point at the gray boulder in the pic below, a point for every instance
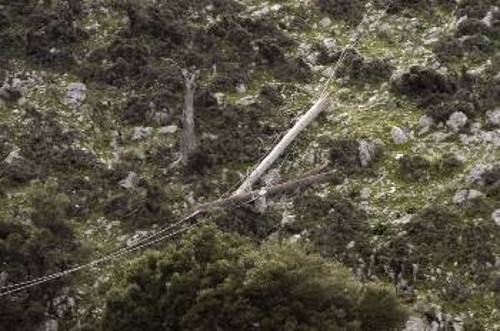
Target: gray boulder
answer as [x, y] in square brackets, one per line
[141, 133]
[466, 195]
[76, 93]
[457, 120]
[493, 117]
[496, 216]
[130, 181]
[399, 136]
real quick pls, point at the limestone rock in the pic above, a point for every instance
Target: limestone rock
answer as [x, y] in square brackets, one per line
[325, 22]
[169, 129]
[496, 216]
[13, 156]
[130, 181]
[457, 120]
[49, 325]
[246, 101]
[466, 195]
[221, 98]
[399, 136]
[141, 133]
[425, 123]
[162, 118]
[415, 324]
[76, 93]
[368, 151]
[3, 278]
[493, 117]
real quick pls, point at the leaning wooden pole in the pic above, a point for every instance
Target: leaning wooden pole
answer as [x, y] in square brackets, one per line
[320, 105]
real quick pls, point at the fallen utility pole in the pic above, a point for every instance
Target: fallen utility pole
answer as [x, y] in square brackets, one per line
[320, 105]
[271, 190]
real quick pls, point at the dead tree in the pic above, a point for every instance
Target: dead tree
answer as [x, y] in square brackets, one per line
[188, 136]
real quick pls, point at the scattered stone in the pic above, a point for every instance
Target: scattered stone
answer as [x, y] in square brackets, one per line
[272, 177]
[457, 120]
[221, 98]
[325, 22]
[3, 278]
[425, 122]
[287, 219]
[294, 239]
[141, 133]
[161, 118]
[241, 88]
[365, 193]
[399, 136]
[476, 173]
[488, 18]
[136, 238]
[368, 151]
[130, 181]
[330, 44]
[76, 93]
[493, 117]
[246, 101]
[169, 129]
[50, 325]
[496, 216]
[475, 127]
[13, 156]
[466, 195]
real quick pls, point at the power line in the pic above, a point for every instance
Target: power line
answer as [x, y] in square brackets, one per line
[144, 242]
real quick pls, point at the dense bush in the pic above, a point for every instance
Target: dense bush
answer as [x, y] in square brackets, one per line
[350, 10]
[333, 224]
[30, 251]
[414, 167]
[215, 281]
[42, 33]
[427, 239]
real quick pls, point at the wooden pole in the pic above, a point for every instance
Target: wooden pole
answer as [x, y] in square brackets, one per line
[320, 105]
[272, 190]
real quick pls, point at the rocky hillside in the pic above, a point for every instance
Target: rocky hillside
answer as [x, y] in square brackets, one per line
[91, 101]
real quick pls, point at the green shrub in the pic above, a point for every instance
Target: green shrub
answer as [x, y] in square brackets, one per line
[216, 281]
[28, 251]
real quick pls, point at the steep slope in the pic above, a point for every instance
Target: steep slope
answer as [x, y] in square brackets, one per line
[90, 113]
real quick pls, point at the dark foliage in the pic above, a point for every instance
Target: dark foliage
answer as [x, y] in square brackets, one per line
[247, 221]
[332, 224]
[170, 30]
[429, 237]
[423, 84]
[345, 154]
[491, 182]
[442, 95]
[145, 205]
[30, 251]
[356, 67]
[214, 281]
[349, 10]
[414, 167]
[45, 35]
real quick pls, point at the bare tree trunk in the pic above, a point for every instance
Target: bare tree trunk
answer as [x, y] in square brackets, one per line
[188, 136]
[320, 105]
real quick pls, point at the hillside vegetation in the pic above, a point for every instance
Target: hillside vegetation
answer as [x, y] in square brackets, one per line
[92, 94]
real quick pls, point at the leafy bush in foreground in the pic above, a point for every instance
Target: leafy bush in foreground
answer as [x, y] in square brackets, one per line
[216, 281]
